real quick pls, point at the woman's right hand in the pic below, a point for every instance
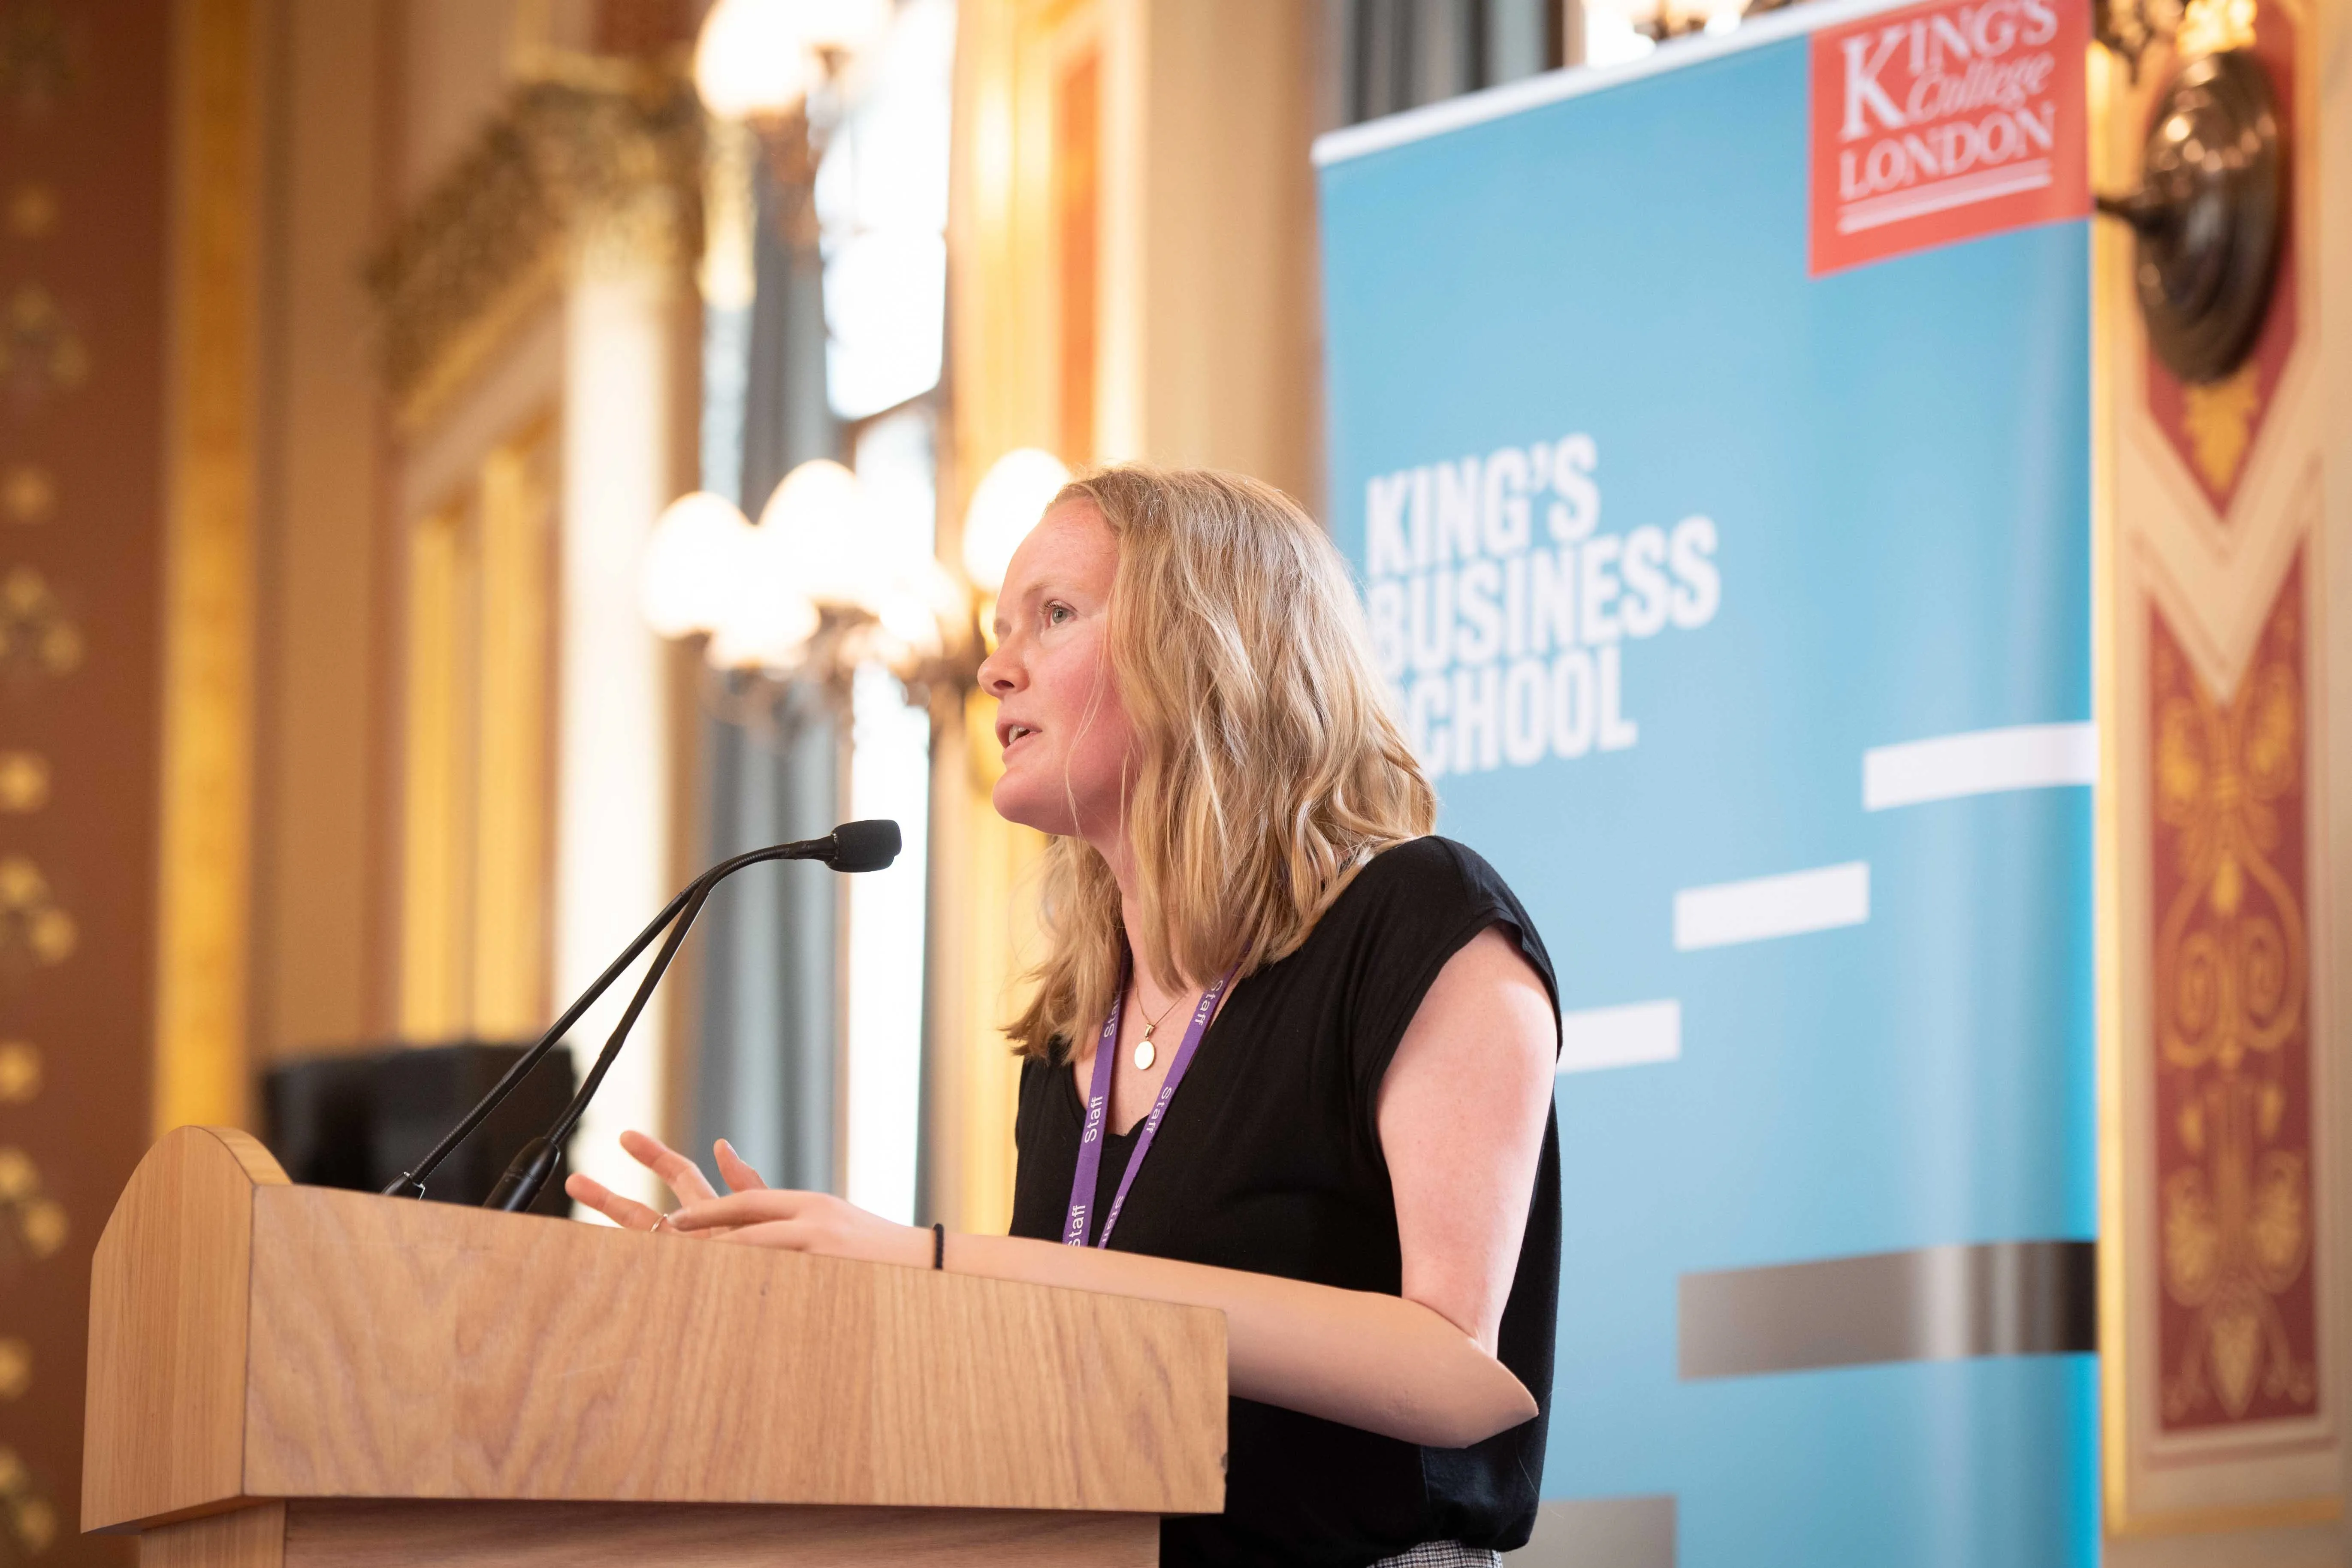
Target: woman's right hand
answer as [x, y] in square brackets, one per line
[680, 1174]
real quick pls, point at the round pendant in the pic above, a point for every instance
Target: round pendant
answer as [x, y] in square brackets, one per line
[1145, 1055]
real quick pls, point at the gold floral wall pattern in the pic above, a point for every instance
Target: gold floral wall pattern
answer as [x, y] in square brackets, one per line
[33, 1225]
[88, 97]
[39, 641]
[20, 1072]
[23, 782]
[29, 1517]
[41, 353]
[2237, 1329]
[36, 58]
[28, 493]
[35, 932]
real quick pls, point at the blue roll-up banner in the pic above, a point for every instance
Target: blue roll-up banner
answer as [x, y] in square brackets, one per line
[1737, 588]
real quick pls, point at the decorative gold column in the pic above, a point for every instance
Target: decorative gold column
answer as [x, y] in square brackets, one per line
[203, 962]
[476, 803]
[513, 723]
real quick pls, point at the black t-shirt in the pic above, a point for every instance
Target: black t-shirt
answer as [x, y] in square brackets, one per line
[1269, 1160]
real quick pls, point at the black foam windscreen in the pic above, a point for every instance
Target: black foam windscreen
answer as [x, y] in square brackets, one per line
[865, 846]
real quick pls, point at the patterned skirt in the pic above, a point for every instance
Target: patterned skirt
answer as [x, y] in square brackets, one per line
[1443, 1555]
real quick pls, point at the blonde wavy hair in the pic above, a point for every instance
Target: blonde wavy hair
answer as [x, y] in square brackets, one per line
[1269, 770]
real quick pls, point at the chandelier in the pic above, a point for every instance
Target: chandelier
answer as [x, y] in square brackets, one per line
[823, 582]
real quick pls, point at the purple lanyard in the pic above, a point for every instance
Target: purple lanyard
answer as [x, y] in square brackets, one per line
[1090, 1172]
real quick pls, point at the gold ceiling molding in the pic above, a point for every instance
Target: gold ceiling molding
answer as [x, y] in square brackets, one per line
[603, 158]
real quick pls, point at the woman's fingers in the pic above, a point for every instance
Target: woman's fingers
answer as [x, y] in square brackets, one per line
[682, 1175]
[702, 1211]
[734, 1171]
[758, 1206]
[627, 1212]
[786, 1234]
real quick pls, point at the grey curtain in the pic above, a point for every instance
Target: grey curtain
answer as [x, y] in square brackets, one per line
[766, 1066]
[1399, 54]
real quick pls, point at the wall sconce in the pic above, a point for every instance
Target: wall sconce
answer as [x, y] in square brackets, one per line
[761, 58]
[821, 585]
[779, 65]
[1672, 19]
[2129, 29]
[2210, 214]
[816, 589]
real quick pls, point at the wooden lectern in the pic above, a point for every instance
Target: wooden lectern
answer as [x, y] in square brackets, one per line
[284, 1375]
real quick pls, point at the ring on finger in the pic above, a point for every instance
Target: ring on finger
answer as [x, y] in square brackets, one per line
[661, 1222]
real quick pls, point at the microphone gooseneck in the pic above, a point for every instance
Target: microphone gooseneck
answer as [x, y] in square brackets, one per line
[865, 846]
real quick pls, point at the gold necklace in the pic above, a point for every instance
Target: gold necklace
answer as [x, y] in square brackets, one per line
[1146, 1053]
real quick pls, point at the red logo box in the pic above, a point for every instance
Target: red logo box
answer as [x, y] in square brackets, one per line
[1945, 122]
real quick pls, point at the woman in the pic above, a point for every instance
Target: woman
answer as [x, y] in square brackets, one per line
[1242, 901]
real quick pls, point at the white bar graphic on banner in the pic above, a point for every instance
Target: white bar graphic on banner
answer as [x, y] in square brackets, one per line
[1983, 762]
[1633, 1034]
[1791, 904]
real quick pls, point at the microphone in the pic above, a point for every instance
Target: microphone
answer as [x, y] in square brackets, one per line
[867, 846]
[863, 845]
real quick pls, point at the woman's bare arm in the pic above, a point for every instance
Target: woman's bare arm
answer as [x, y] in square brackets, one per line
[1461, 1114]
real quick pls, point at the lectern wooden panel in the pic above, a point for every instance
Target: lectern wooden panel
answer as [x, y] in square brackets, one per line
[419, 1382]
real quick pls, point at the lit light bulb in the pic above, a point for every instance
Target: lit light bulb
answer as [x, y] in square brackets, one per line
[822, 521]
[753, 57]
[763, 57]
[692, 558]
[848, 26]
[767, 620]
[1010, 499]
[922, 602]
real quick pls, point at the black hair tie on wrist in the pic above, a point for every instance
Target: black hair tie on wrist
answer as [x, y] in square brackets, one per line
[939, 1246]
